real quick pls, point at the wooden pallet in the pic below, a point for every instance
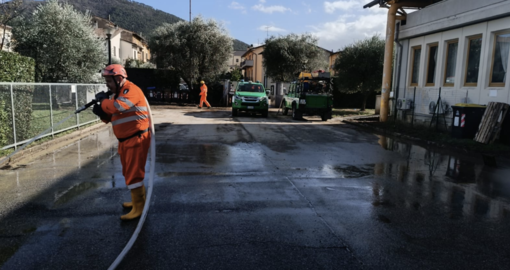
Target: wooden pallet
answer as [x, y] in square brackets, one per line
[490, 127]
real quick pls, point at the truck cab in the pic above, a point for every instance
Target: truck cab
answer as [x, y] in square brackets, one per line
[310, 94]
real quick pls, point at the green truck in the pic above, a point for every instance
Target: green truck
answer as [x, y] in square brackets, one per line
[250, 97]
[309, 95]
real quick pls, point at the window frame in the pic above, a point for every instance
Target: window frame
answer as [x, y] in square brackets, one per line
[413, 51]
[469, 39]
[446, 61]
[491, 84]
[429, 46]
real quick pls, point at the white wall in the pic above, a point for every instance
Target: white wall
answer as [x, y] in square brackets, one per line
[126, 50]
[480, 94]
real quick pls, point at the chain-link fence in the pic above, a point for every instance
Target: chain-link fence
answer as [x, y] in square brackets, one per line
[27, 109]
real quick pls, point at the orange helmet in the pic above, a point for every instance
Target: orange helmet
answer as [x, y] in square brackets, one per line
[114, 70]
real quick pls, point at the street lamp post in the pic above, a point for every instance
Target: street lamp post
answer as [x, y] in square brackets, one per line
[109, 30]
[109, 49]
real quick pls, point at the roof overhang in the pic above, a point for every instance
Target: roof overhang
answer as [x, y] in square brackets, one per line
[404, 3]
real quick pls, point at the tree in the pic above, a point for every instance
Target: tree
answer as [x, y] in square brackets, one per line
[135, 63]
[286, 56]
[62, 42]
[359, 67]
[9, 10]
[196, 50]
[236, 75]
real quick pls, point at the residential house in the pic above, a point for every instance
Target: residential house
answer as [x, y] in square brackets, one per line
[7, 45]
[456, 48]
[332, 59]
[124, 44]
[235, 59]
[252, 64]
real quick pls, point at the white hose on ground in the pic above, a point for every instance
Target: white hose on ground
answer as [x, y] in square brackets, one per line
[131, 241]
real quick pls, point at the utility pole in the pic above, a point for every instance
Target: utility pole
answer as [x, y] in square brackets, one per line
[189, 10]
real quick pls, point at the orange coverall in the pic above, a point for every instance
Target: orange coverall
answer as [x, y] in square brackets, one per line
[130, 122]
[203, 96]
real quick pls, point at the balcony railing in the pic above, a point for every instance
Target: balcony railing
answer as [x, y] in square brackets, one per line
[247, 63]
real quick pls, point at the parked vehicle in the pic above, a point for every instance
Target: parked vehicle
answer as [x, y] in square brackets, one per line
[310, 94]
[250, 97]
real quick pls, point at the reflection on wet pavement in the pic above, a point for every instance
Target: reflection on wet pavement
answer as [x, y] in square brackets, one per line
[459, 184]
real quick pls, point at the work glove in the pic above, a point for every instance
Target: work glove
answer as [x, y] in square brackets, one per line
[101, 95]
[97, 110]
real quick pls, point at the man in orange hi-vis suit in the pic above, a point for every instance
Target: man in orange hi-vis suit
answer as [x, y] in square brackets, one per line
[203, 95]
[127, 111]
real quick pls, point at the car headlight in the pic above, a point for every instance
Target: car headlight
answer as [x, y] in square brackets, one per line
[263, 99]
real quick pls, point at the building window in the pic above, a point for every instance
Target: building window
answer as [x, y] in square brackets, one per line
[237, 60]
[451, 62]
[147, 56]
[431, 64]
[114, 51]
[500, 59]
[473, 60]
[415, 65]
[134, 55]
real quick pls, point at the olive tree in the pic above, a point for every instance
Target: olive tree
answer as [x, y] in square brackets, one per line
[62, 42]
[286, 56]
[196, 50]
[359, 67]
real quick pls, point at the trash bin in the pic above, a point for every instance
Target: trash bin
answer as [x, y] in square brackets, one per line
[466, 119]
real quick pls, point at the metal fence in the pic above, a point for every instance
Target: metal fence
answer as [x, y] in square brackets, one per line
[27, 109]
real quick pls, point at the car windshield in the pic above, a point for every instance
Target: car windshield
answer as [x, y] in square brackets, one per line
[256, 88]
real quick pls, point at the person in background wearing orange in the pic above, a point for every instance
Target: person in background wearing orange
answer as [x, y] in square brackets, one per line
[203, 95]
[128, 112]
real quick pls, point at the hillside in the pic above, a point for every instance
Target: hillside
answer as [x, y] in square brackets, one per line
[131, 15]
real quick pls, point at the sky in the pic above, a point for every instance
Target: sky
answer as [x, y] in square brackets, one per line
[335, 23]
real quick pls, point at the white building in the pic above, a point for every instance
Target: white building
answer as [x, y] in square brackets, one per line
[7, 47]
[235, 59]
[124, 44]
[459, 46]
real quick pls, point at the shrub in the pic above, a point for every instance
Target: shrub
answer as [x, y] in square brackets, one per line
[15, 68]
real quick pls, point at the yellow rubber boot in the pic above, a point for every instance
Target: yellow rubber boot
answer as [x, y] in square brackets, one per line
[130, 204]
[138, 203]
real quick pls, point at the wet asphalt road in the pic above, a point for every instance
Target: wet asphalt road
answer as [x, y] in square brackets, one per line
[256, 193]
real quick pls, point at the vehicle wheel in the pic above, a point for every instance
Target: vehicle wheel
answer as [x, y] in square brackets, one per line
[296, 114]
[285, 111]
[234, 112]
[265, 113]
[324, 117]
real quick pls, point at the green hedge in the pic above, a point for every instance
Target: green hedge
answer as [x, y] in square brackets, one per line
[15, 68]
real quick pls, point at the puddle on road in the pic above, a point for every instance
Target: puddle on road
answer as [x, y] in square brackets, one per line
[462, 186]
[246, 156]
[354, 171]
[174, 174]
[63, 197]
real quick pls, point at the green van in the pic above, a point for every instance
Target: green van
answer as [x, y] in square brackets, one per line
[250, 97]
[309, 95]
